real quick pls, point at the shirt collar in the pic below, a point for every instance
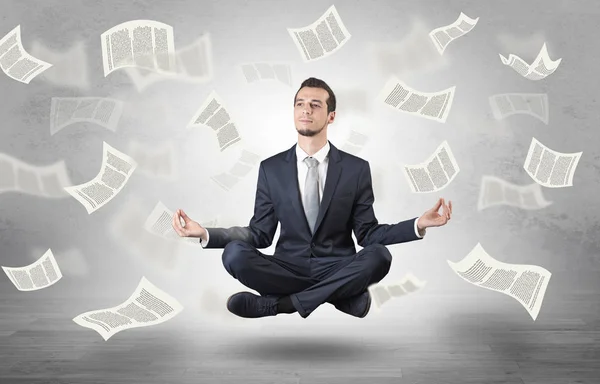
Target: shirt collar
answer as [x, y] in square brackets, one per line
[320, 155]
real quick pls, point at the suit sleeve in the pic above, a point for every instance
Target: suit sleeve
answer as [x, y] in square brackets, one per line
[366, 228]
[263, 224]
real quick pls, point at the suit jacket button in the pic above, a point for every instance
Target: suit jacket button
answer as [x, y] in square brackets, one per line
[312, 245]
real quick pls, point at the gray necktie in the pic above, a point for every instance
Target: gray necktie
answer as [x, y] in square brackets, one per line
[310, 199]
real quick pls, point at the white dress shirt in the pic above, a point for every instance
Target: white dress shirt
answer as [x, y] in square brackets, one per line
[322, 157]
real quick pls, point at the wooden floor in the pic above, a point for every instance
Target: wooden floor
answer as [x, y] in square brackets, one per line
[481, 338]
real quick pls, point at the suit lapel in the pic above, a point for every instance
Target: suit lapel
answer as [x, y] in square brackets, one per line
[290, 176]
[334, 170]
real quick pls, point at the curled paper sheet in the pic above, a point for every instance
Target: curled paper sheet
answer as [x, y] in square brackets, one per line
[40, 274]
[213, 113]
[525, 283]
[433, 106]
[15, 62]
[114, 173]
[539, 69]
[443, 36]
[435, 173]
[550, 168]
[148, 305]
[141, 44]
[322, 38]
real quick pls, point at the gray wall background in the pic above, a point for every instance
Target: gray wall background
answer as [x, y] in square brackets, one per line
[562, 237]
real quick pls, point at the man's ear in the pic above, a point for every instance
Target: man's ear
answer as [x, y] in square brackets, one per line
[331, 117]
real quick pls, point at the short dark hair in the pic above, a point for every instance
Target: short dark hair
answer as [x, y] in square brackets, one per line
[318, 83]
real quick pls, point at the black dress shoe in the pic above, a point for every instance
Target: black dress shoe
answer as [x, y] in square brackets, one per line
[249, 305]
[357, 306]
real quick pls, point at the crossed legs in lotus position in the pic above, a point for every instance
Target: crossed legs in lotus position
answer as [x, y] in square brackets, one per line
[288, 285]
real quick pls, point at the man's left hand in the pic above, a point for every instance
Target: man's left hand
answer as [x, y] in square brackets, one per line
[432, 218]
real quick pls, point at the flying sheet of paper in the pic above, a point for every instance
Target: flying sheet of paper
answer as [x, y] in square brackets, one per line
[261, 71]
[194, 64]
[550, 168]
[539, 69]
[40, 274]
[103, 111]
[228, 180]
[525, 283]
[496, 191]
[435, 173]
[148, 305]
[139, 43]
[355, 142]
[443, 36]
[433, 106]
[69, 69]
[114, 173]
[15, 62]
[212, 113]
[382, 293]
[322, 38]
[44, 181]
[508, 104]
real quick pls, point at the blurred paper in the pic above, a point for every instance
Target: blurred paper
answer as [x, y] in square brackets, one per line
[496, 191]
[227, 180]
[508, 104]
[160, 223]
[46, 181]
[261, 71]
[103, 111]
[194, 65]
[382, 293]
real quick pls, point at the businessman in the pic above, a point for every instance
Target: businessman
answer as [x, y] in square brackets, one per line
[320, 195]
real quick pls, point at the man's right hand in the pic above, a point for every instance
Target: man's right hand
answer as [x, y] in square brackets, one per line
[190, 228]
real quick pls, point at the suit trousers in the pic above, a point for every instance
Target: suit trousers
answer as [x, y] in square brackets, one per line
[309, 281]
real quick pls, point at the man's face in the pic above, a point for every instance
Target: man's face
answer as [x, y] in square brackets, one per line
[310, 111]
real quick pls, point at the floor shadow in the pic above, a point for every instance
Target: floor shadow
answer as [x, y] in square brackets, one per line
[301, 348]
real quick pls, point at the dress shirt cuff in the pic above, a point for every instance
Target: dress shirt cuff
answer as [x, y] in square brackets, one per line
[205, 243]
[417, 229]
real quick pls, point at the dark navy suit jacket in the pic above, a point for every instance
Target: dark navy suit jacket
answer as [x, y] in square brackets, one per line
[346, 206]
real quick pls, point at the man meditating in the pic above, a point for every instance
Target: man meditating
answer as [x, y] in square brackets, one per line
[320, 195]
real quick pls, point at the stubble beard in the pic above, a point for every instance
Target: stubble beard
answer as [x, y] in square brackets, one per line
[310, 133]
